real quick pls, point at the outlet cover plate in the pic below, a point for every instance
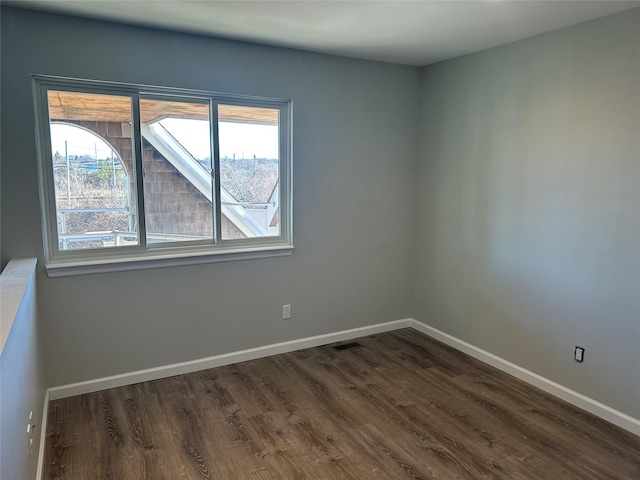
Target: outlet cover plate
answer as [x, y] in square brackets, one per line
[578, 354]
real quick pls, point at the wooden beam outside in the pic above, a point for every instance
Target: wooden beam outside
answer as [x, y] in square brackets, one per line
[111, 108]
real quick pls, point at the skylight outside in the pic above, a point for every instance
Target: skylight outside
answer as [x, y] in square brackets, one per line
[193, 135]
[248, 155]
[242, 140]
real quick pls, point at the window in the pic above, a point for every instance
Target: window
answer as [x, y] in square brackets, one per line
[136, 176]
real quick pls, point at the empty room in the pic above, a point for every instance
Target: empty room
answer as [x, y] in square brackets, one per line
[320, 240]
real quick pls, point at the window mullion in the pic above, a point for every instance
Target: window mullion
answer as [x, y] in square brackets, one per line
[139, 171]
[215, 171]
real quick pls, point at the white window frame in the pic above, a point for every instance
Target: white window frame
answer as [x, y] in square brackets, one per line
[84, 261]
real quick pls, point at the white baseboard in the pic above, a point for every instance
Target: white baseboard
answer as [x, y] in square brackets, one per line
[43, 436]
[603, 411]
[220, 360]
[592, 406]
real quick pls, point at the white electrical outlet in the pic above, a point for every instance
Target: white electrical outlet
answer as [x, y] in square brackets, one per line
[286, 312]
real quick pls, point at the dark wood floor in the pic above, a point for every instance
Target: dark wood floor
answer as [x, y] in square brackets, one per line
[401, 406]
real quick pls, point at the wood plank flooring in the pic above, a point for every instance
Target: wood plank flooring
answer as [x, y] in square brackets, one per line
[401, 406]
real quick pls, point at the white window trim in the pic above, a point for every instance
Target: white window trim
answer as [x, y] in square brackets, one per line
[76, 262]
[158, 260]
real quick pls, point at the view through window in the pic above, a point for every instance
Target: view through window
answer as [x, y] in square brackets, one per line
[249, 164]
[135, 170]
[92, 187]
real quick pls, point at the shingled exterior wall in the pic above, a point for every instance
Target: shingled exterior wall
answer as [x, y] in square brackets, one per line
[173, 205]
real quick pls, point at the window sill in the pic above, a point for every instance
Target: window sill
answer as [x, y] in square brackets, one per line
[68, 268]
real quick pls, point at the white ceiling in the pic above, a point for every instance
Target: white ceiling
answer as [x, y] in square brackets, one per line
[408, 32]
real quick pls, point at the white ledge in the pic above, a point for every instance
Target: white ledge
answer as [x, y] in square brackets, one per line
[85, 267]
[14, 282]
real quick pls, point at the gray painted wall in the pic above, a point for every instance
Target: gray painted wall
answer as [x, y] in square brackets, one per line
[355, 142]
[518, 224]
[528, 193]
[22, 389]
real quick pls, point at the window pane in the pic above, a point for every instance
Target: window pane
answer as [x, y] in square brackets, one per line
[249, 171]
[177, 180]
[193, 135]
[91, 150]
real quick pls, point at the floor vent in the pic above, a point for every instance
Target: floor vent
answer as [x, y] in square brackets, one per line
[348, 345]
